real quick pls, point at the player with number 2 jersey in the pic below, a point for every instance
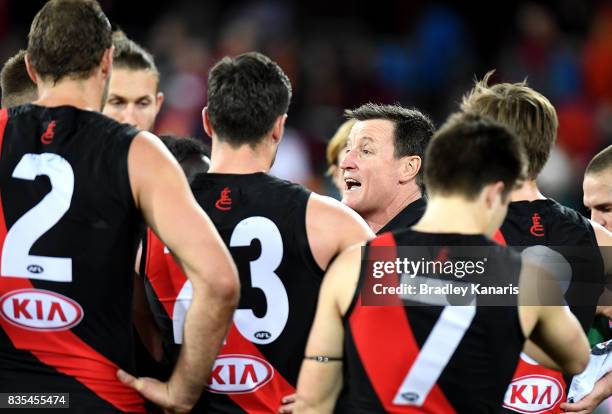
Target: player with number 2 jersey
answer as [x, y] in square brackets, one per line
[73, 185]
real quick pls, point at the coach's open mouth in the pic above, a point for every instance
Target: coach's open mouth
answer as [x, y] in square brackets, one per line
[351, 183]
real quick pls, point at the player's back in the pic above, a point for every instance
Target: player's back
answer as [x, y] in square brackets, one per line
[546, 222]
[68, 227]
[427, 358]
[262, 219]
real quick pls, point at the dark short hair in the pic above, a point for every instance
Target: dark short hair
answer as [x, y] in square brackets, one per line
[130, 55]
[189, 152]
[17, 87]
[68, 38]
[471, 151]
[246, 94]
[600, 162]
[412, 130]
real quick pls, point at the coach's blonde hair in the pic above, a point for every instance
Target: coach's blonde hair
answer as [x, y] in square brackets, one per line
[527, 113]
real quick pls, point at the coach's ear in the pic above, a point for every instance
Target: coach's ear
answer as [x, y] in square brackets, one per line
[410, 167]
[31, 72]
[206, 122]
[279, 128]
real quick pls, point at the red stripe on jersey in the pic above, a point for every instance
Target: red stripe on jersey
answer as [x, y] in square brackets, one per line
[167, 279]
[265, 399]
[499, 238]
[164, 274]
[386, 344]
[64, 350]
[3, 121]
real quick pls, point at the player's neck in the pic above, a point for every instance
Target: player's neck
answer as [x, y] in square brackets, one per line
[226, 159]
[451, 215]
[529, 191]
[82, 94]
[382, 216]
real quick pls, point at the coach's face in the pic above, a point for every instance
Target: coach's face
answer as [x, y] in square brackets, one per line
[371, 172]
[598, 197]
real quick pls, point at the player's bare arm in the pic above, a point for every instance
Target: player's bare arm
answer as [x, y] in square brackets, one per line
[161, 192]
[320, 379]
[332, 227]
[552, 328]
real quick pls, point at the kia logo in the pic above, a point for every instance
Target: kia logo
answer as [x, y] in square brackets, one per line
[40, 310]
[239, 374]
[533, 394]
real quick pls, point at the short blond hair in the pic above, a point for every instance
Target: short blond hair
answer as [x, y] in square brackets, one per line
[337, 144]
[527, 113]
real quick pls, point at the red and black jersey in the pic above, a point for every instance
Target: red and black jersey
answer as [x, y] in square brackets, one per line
[408, 358]
[262, 220]
[548, 223]
[68, 227]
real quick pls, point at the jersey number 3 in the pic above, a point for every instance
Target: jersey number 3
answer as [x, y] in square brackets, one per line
[268, 328]
[16, 258]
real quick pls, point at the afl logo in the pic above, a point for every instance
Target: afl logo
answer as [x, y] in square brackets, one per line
[36, 269]
[239, 374]
[410, 396]
[262, 335]
[40, 310]
[533, 394]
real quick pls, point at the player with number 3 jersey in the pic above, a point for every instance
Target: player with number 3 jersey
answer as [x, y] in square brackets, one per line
[432, 357]
[281, 236]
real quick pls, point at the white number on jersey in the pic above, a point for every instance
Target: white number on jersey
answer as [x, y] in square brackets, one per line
[438, 349]
[268, 328]
[16, 258]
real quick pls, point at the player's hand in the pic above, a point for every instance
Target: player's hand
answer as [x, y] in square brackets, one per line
[155, 391]
[288, 404]
[591, 401]
[605, 311]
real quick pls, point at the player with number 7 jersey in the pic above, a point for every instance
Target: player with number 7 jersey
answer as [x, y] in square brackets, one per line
[406, 351]
[281, 236]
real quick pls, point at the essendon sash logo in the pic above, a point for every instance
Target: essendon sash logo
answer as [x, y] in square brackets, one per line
[47, 137]
[224, 203]
[537, 229]
[533, 394]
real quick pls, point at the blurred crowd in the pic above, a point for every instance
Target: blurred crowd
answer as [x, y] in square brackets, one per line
[421, 54]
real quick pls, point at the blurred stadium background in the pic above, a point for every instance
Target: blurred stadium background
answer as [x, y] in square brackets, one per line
[341, 54]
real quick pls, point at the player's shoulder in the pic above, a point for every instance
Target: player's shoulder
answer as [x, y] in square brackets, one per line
[324, 207]
[567, 213]
[70, 118]
[271, 181]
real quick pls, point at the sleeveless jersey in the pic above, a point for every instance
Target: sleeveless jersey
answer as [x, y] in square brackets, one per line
[68, 228]
[262, 220]
[535, 388]
[430, 359]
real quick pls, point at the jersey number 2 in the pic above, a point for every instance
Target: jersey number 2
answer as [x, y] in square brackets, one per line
[16, 258]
